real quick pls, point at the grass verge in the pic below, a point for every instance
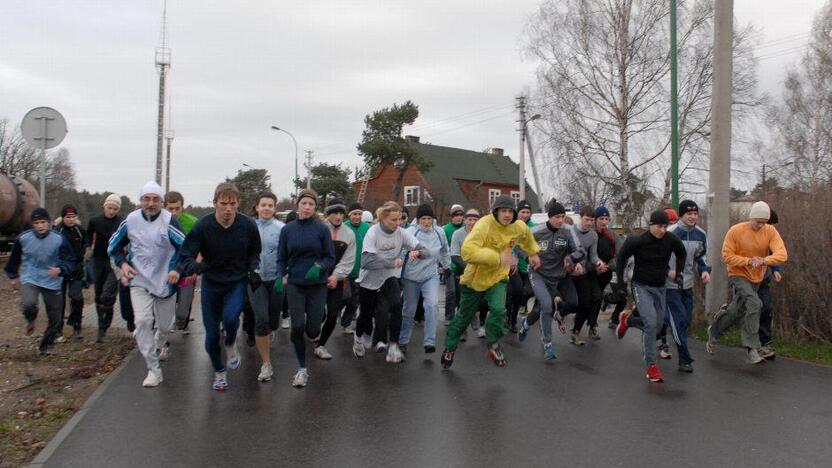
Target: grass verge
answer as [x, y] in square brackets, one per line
[804, 351]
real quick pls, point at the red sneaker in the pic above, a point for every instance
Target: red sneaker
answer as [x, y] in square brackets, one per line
[621, 329]
[654, 374]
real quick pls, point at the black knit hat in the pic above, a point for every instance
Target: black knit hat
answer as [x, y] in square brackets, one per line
[308, 193]
[69, 209]
[355, 206]
[555, 209]
[39, 214]
[523, 205]
[424, 210]
[687, 206]
[773, 219]
[659, 217]
[336, 205]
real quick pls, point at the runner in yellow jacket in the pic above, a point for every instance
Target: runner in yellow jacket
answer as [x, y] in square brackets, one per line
[487, 250]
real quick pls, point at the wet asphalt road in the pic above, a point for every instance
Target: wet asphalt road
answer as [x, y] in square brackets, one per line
[590, 407]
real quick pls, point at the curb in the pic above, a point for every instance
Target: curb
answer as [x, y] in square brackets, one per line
[43, 456]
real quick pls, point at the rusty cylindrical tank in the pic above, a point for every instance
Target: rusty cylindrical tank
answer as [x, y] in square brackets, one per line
[17, 200]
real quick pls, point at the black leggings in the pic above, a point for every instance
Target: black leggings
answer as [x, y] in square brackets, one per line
[306, 306]
[588, 301]
[388, 316]
[334, 302]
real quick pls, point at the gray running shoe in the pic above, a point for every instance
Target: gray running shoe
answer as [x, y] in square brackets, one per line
[754, 357]
[766, 352]
[713, 340]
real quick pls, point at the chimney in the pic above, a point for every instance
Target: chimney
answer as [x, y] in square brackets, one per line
[411, 138]
[496, 151]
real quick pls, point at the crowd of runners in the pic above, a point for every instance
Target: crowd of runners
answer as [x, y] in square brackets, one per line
[379, 275]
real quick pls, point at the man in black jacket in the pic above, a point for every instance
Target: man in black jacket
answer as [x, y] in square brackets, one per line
[73, 286]
[651, 251]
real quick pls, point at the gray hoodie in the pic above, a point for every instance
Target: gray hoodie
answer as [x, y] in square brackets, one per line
[435, 254]
[589, 241]
[555, 245]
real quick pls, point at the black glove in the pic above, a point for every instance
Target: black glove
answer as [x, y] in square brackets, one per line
[254, 280]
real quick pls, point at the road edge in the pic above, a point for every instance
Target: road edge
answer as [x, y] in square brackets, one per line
[44, 455]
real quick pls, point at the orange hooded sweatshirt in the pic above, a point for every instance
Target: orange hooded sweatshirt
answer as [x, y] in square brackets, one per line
[743, 243]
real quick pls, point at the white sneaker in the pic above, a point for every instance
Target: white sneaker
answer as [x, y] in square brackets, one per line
[60, 339]
[220, 383]
[153, 379]
[367, 340]
[285, 323]
[233, 356]
[481, 332]
[358, 347]
[266, 373]
[381, 347]
[322, 353]
[301, 378]
[164, 353]
[349, 329]
[394, 354]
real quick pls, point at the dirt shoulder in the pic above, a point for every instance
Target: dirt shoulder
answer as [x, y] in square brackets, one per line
[39, 394]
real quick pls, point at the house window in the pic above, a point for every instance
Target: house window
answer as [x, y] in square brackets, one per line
[515, 195]
[492, 195]
[411, 195]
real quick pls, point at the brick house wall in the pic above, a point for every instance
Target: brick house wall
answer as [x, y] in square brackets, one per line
[478, 192]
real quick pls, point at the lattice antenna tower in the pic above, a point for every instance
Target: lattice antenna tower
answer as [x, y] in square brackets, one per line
[162, 64]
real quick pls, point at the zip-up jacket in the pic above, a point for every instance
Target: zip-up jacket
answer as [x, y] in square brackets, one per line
[153, 244]
[435, 254]
[483, 245]
[77, 238]
[450, 229]
[34, 254]
[269, 230]
[304, 243]
[555, 245]
[651, 256]
[343, 243]
[456, 251]
[589, 241]
[696, 247]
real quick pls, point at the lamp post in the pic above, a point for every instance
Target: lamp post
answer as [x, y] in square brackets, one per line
[296, 153]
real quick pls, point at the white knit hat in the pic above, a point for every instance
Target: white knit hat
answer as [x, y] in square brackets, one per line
[113, 199]
[152, 188]
[366, 217]
[456, 207]
[760, 210]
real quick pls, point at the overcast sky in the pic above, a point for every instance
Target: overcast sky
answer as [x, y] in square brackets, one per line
[312, 67]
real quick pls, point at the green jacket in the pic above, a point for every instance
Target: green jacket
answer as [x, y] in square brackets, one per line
[360, 231]
[522, 260]
[187, 222]
[450, 229]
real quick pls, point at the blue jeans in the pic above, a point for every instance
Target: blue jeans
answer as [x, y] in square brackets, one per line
[429, 290]
[679, 314]
[651, 303]
[221, 303]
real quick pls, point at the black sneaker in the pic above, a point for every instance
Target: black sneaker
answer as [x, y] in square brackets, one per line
[430, 349]
[102, 333]
[495, 355]
[447, 359]
[685, 367]
[250, 341]
[131, 327]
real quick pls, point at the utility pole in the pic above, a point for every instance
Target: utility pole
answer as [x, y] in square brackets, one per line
[308, 169]
[169, 138]
[719, 184]
[674, 110]
[540, 201]
[521, 107]
[163, 64]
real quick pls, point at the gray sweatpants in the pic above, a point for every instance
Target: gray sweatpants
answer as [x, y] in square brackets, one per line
[54, 301]
[745, 305]
[651, 304]
[149, 309]
[544, 293]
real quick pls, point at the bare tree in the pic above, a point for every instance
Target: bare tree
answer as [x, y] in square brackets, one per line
[803, 121]
[603, 85]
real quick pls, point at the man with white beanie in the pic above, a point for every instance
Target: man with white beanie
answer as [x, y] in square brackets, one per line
[99, 230]
[749, 249]
[153, 238]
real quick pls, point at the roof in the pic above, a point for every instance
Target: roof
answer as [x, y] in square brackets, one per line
[451, 164]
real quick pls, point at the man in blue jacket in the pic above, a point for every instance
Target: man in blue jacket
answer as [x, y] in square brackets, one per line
[45, 258]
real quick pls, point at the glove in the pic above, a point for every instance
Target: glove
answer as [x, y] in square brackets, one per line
[278, 286]
[254, 280]
[679, 281]
[314, 272]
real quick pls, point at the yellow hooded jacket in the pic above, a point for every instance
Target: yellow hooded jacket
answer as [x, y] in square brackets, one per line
[482, 247]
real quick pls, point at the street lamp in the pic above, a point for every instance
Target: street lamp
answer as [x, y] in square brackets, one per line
[296, 152]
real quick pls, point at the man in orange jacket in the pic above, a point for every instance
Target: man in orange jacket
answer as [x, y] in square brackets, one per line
[749, 248]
